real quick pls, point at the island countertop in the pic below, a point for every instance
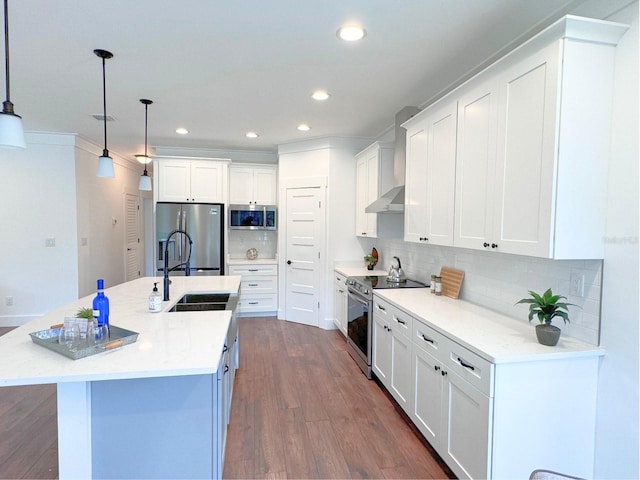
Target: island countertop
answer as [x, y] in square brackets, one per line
[169, 343]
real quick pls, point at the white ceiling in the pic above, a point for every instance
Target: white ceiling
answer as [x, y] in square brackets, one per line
[221, 68]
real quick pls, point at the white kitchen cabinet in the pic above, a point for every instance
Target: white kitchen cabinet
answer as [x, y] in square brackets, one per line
[250, 184]
[374, 177]
[340, 302]
[391, 350]
[475, 166]
[452, 414]
[185, 180]
[532, 145]
[478, 413]
[258, 288]
[430, 176]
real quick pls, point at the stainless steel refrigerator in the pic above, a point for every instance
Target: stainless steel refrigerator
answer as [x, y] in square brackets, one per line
[204, 223]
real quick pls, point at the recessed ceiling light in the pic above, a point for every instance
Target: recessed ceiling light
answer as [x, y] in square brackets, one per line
[251, 135]
[351, 33]
[182, 131]
[320, 95]
[303, 127]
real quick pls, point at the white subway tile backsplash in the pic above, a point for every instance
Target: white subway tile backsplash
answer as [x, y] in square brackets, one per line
[497, 281]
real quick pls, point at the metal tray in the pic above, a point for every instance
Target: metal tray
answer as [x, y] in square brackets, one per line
[49, 338]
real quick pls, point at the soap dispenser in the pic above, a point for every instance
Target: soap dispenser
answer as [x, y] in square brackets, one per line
[155, 299]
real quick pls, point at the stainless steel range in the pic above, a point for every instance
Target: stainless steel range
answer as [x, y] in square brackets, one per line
[360, 316]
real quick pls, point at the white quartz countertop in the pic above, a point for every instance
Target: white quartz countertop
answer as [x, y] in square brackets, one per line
[257, 261]
[495, 337]
[359, 271]
[169, 343]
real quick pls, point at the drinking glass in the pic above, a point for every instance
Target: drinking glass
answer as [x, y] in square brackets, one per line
[69, 335]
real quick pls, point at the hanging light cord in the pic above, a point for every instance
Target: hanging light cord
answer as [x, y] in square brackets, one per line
[146, 116]
[7, 106]
[104, 105]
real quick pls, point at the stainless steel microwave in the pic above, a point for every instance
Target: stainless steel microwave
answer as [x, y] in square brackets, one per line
[253, 217]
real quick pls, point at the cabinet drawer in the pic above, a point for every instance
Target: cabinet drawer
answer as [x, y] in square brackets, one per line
[399, 321]
[339, 279]
[253, 269]
[258, 303]
[431, 341]
[471, 367]
[258, 284]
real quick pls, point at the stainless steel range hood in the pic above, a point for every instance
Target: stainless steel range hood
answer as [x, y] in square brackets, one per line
[390, 202]
[393, 200]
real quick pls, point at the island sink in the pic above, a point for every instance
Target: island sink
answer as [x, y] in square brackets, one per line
[198, 302]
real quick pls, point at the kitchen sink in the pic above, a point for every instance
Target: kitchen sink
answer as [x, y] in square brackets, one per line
[204, 298]
[200, 302]
[197, 307]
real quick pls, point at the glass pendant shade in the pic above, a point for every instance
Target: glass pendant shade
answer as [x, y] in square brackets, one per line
[145, 182]
[105, 166]
[11, 132]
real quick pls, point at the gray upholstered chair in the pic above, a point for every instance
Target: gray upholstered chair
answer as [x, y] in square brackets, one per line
[542, 474]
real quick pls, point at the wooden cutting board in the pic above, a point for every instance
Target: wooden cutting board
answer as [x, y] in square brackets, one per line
[451, 281]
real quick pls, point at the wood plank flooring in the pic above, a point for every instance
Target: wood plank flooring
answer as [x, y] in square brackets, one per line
[28, 431]
[301, 409]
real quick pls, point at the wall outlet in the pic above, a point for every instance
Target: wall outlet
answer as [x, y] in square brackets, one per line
[576, 285]
[8, 301]
[50, 242]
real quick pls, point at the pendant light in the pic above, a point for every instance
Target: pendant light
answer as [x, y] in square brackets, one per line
[145, 180]
[11, 132]
[105, 162]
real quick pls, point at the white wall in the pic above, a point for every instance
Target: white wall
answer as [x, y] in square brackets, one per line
[50, 190]
[101, 217]
[617, 420]
[37, 201]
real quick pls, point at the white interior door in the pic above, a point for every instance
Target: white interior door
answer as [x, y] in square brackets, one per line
[303, 247]
[132, 232]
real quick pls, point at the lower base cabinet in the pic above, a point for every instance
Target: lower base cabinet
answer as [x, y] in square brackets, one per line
[258, 288]
[488, 420]
[391, 344]
[340, 302]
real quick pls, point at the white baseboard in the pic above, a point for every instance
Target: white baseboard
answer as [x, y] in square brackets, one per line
[15, 320]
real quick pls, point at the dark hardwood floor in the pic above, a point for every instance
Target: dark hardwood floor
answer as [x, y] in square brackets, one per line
[28, 431]
[301, 409]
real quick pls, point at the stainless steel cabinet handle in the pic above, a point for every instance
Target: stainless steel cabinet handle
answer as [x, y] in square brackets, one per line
[252, 284]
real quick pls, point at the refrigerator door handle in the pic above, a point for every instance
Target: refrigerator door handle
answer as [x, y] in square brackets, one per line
[183, 243]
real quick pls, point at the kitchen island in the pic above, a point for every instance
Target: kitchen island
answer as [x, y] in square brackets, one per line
[157, 408]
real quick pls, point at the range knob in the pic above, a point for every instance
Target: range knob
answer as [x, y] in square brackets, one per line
[350, 282]
[365, 291]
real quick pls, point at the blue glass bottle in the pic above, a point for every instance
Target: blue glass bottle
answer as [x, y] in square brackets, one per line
[101, 305]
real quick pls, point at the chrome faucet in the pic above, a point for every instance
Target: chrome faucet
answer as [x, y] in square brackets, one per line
[166, 268]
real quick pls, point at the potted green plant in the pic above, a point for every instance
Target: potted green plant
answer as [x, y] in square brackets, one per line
[85, 312]
[546, 307]
[370, 261]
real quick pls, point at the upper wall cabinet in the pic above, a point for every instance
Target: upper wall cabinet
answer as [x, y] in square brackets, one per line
[430, 176]
[252, 184]
[532, 146]
[374, 177]
[184, 180]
